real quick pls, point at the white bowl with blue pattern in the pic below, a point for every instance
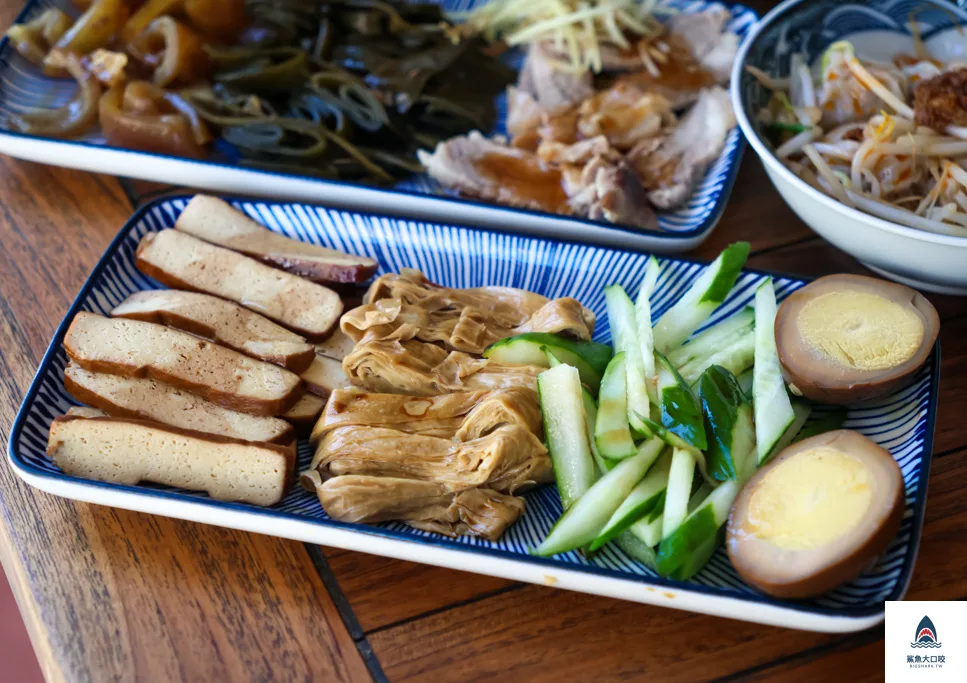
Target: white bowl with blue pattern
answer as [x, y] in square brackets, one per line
[879, 30]
[468, 257]
[22, 86]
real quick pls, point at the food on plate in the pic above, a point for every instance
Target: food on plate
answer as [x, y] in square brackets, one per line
[530, 348]
[126, 451]
[214, 220]
[139, 398]
[204, 373]
[816, 516]
[613, 150]
[655, 462]
[337, 346]
[337, 90]
[134, 348]
[885, 138]
[323, 375]
[849, 338]
[179, 260]
[304, 413]
[462, 415]
[466, 320]
[509, 458]
[222, 322]
[426, 505]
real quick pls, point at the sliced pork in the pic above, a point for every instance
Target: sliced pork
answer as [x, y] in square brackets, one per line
[672, 171]
[551, 87]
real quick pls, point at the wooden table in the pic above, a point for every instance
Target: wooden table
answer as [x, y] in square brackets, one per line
[110, 595]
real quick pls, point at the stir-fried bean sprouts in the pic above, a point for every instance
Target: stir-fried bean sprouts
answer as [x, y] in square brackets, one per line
[855, 130]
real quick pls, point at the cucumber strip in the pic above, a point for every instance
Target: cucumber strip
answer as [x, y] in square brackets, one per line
[738, 357]
[701, 299]
[826, 423]
[611, 433]
[649, 530]
[678, 491]
[698, 558]
[773, 410]
[801, 411]
[559, 391]
[644, 498]
[590, 358]
[646, 336]
[701, 526]
[624, 332]
[583, 521]
[728, 424]
[590, 416]
[681, 411]
[637, 549]
[715, 338]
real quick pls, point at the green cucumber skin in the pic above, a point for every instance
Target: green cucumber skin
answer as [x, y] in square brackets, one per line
[736, 358]
[722, 399]
[681, 412]
[691, 535]
[583, 521]
[732, 261]
[708, 342]
[646, 334]
[827, 423]
[528, 348]
[573, 479]
[636, 549]
[611, 432]
[639, 512]
[699, 558]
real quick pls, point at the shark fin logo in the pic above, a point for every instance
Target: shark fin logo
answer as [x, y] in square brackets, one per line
[926, 634]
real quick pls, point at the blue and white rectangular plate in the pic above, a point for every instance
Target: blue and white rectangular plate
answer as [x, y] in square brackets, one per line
[468, 257]
[22, 86]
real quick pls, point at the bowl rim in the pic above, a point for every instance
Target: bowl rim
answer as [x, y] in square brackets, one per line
[769, 158]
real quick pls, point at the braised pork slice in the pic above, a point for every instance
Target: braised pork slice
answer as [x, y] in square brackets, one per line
[552, 88]
[672, 171]
[506, 460]
[621, 198]
[427, 505]
[420, 368]
[490, 170]
[697, 52]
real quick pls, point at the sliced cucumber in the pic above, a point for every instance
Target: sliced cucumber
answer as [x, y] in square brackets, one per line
[566, 431]
[583, 521]
[698, 558]
[826, 423]
[679, 490]
[701, 299]
[773, 410]
[745, 381]
[801, 411]
[728, 424]
[624, 331]
[611, 433]
[646, 336]
[701, 526]
[590, 358]
[648, 530]
[681, 411]
[737, 357]
[714, 339]
[644, 498]
[637, 549]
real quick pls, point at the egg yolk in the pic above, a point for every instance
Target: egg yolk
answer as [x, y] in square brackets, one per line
[810, 499]
[860, 330]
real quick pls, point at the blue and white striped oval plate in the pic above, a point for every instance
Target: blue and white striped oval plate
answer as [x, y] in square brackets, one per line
[22, 86]
[466, 257]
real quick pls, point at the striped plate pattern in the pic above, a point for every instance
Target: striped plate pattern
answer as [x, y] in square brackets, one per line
[462, 257]
[23, 87]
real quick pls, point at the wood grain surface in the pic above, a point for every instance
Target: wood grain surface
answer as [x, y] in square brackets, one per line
[109, 595]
